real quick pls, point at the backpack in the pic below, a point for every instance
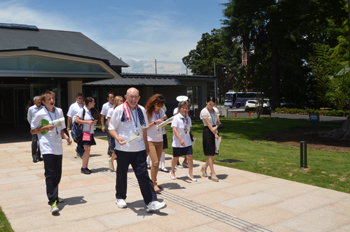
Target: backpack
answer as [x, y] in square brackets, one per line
[77, 130]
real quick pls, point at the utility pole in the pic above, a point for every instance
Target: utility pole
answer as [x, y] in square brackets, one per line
[155, 62]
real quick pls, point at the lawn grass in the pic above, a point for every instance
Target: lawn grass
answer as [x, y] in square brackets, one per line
[241, 149]
[4, 224]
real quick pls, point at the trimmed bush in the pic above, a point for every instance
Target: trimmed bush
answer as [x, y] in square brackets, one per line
[340, 113]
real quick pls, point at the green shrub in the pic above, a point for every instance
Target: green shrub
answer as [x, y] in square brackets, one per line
[340, 113]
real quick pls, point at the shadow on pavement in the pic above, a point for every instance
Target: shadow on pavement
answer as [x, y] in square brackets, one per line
[71, 201]
[139, 208]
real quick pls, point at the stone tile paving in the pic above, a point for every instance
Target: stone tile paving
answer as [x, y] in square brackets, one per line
[240, 197]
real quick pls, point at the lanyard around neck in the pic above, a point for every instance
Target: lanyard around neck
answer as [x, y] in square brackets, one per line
[157, 115]
[212, 116]
[51, 117]
[132, 115]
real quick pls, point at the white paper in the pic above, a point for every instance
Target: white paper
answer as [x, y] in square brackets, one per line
[169, 120]
[132, 137]
[217, 144]
[58, 122]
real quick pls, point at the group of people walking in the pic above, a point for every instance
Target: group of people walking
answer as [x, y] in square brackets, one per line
[133, 134]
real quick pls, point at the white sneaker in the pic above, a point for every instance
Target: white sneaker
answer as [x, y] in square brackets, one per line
[121, 203]
[155, 205]
[60, 200]
[54, 208]
[179, 166]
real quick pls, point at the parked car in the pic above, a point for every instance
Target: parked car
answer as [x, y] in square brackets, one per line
[284, 103]
[252, 104]
[266, 103]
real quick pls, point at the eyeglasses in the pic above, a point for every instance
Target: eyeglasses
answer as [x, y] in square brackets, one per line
[133, 97]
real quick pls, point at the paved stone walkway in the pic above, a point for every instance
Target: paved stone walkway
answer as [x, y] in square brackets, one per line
[240, 201]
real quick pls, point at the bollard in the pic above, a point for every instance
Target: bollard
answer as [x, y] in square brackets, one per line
[236, 115]
[303, 154]
[250, 114]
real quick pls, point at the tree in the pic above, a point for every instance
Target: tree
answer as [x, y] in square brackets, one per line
[213, 49]
[280, 35]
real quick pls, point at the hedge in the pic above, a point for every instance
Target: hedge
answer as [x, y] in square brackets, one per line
[340, 113]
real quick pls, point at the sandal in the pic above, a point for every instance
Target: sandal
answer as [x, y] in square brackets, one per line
[110, 166]
[204, 174]
[215, 179]
[190, 178]
[172, 177]
[157, 190]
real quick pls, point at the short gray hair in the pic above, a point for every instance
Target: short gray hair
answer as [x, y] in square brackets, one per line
[35, 98]
[183, 103]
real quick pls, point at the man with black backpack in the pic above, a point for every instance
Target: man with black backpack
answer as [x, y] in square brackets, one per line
[72, 112]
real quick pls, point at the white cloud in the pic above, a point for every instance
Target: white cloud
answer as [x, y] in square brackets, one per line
[15, 12]
[140, 38]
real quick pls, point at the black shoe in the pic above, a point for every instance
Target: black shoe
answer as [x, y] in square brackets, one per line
[163, 169]
[40, 159]
[85, 171]
[35, 161]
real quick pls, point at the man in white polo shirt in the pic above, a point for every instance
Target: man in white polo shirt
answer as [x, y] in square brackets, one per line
[31, 113]
[104, 122]
[130, 120]
[72, 112]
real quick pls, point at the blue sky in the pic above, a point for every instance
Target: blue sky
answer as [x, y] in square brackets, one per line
[137, 31]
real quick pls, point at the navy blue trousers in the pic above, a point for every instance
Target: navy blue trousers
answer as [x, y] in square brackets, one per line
[53, 173]
[138, 163]
[35, 147]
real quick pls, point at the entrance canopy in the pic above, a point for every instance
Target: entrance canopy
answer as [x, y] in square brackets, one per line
[33, 64]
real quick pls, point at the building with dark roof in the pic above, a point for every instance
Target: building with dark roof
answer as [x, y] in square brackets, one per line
[170, 86]
[33, 60]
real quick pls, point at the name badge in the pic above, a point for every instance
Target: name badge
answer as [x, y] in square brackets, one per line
[137, 132]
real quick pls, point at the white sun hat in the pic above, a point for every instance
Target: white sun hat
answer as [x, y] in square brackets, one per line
[181, 98]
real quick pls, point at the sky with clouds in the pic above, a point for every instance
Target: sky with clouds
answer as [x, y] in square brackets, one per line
[137, 31]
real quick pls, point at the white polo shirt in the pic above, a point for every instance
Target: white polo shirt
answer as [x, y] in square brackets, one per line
[87, 117]
[105, 109]
[110, 112]
[153, 131]
[179, 123]
[74, 109]
[49, 144]
[32, 111]
[213, 117]
[127, 129]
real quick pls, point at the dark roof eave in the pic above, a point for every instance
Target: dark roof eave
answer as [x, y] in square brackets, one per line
[168, 76]
[60, 53]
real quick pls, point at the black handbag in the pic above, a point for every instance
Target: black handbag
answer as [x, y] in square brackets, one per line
[77, 130]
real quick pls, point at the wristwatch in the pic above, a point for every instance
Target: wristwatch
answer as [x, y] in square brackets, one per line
[154, 123]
